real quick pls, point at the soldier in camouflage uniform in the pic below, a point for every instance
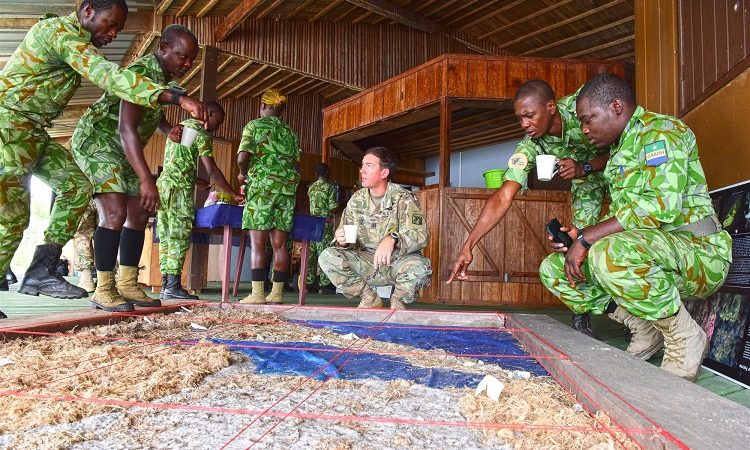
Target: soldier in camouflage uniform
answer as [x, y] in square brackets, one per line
[662, 241]
[176, 186]
[391, 235]
[35, 85]
[83, 250]
[551, 128]
[268, 156]
[108, 146]
[322, 195]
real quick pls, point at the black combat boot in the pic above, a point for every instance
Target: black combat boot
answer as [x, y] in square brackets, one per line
[10, 277]
[173, 289]
[582, 323]
[163, 286]
[41, 276]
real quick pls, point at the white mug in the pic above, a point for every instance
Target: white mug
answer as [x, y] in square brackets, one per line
[350, 233]
[546, 167]
[188, 136]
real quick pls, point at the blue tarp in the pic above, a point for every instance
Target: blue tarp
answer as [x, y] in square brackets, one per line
[288, 359]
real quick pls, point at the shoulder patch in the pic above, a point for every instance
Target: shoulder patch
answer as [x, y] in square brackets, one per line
[656, 153]
[518, 161]
[416, 219]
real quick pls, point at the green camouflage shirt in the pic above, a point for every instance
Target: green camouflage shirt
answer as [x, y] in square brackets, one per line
[573, 144]
[322, 196]
[45, 71]
[180, 161]
[274, 153]
[397, 212]
[103, 117]
[654, 175]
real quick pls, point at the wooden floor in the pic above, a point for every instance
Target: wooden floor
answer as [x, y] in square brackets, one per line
[613, 333]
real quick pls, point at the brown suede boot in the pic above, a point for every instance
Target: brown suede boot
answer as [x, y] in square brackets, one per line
[256, 297]
[370, 298]
[276, 295]
[685, 344]
[127, 285]
[645, 339]
[106, 296]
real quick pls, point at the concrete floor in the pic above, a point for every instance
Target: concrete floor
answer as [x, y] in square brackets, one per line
[16, 305]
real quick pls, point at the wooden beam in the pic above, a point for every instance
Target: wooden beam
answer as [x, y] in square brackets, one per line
[362, 17]
[185, 7]
[236, 17]
[536, 51]
[313, 87]
[299, 8]
[606, 45]
[245, 81]
[494, 13]
[193, 72]
[445, 143]
[303, 85]
[561, 23]
[525, 19]
[470, 11]
[424, 4]
[282, 80]
[325, 10]
[270, 9]
[209, 73]
[398, 14]
[445, 4]
[139, 48]
[260, 83]
[207, 8]
[163, 6]
[218, 71]
[235, 74]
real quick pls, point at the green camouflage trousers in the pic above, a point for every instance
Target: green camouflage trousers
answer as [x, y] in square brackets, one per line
[265, 210]
[83, 249]
[587, 195]
[316, 248]
[174, 224]
[106, 166]
[26, 149]
[349, 270]
[646, 272]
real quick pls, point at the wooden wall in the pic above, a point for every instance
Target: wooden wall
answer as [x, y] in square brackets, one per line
[714, 46]
[657, 80]
[457, 76]
[506, 261]
[360, 55]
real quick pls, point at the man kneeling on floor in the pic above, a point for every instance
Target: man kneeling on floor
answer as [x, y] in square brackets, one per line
[390, 235]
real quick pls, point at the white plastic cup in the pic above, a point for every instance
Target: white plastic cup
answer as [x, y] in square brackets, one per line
[546, 167]
[350, 233]
[188, 136]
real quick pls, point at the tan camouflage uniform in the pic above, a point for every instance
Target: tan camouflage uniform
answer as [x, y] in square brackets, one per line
[350, 269]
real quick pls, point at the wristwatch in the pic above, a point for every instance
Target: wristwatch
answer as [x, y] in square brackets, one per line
[177, 92]
[395, 237]
[587, 168]
[583, 241]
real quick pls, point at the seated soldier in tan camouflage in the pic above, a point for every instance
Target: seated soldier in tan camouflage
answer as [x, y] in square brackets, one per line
[391, 235]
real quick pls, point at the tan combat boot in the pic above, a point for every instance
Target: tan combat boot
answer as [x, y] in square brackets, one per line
[106, 296]
[277, 292]
[86, 281]
[396, 302]
[645, 339]
[255, 297]
[685, 344]
[370, 298]
[127, 284]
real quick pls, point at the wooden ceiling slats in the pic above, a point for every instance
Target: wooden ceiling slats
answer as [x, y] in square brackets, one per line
[244, 82]
[608, 26]
[601, 47]
[270, 9]
[181, 12]
[302, 6]
[207, 8]
[562, 23]
[491, 15]
[326, 10]
[476, 10]
[235, 18]
[255, 88]
[525, 19]
[163, 6]
[234, 74]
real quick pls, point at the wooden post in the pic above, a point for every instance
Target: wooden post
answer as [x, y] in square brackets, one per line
[445, 143]
[326, 150]
[656, 55]
[198, 254]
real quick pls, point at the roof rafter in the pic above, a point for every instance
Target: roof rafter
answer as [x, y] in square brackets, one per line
[525, 19]
[244, 82]
[608, 26]
[206, 9]
[237, 16]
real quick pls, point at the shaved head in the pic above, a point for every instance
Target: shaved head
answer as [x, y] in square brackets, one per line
[537, 90]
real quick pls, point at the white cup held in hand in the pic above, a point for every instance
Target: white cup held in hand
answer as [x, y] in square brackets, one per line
[188, 136]
[350, 233]
[546, 167]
